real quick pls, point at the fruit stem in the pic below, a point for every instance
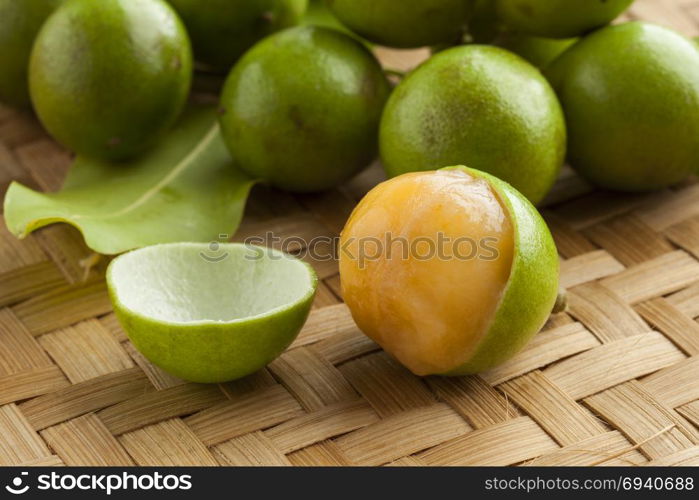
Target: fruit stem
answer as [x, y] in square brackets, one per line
[561, 304]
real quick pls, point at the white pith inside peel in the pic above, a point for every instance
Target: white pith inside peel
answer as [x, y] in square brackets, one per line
[186, 283]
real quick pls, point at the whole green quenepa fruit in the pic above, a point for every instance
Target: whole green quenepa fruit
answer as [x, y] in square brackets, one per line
[301, 109]
[108, 77]
[20, 21]
[558, 18]
[405, 24]
[480, 106]
[222, 30]
[630, 94]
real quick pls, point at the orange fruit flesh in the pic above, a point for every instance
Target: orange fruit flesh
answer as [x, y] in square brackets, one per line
[425, 258]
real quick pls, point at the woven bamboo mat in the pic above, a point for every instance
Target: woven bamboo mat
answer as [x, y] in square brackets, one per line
[614, 381]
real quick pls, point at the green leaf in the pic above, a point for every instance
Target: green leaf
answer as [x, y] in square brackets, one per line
[185, 189]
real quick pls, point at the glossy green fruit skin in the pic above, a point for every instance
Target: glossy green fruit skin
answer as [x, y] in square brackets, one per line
[20, 21]
[404, 24]
[215, 353]
[633, 115]
[222, 30]
[558, 18]
[480, 106]
[108, 77]
[540, 52]
[532, 289]
[301, 109]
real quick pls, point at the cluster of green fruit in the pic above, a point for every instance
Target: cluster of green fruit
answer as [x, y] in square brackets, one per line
[621, 102]
[513, 88]
[108, 78]
[308, 107]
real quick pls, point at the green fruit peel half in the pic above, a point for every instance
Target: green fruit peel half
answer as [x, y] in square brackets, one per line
[532, 289]
[210, 313]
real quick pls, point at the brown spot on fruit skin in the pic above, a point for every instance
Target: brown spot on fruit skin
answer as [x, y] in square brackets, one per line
[526, 9]
[114, 142]
[296, 117]
[369, 87]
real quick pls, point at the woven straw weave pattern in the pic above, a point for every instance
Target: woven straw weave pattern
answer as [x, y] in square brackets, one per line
[613, 381]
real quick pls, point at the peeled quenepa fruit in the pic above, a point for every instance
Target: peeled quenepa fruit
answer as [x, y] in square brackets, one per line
[397, 23]
[630, 94]
[108, 77]
[301, 109]
[451, 271]
[480, 106]
[20, 21]
[558, 18]
[222, 30]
